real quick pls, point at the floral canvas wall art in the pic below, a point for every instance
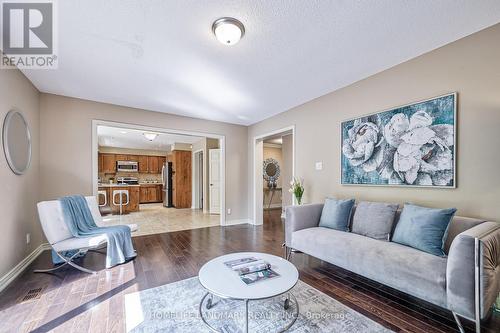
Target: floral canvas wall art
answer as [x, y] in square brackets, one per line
[412, 145]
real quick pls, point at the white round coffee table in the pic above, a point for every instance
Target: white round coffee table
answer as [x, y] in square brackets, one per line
[221, 281]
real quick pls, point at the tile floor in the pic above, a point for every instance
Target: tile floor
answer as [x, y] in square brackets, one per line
[155, 219]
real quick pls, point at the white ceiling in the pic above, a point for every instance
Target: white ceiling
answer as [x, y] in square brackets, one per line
[134, 139]
[162, 56]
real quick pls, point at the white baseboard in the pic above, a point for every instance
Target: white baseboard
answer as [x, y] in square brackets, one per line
[20, 267]
[236, 222]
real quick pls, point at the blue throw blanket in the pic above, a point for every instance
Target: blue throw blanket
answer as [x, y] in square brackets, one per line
[80, 222]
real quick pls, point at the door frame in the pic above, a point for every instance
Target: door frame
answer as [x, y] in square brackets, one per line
[222, 145]
[196, 180]
[258, 183]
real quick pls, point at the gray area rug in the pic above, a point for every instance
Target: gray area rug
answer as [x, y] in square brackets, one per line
[174, 308]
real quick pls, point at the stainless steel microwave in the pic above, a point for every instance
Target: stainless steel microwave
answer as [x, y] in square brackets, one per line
[127, 166]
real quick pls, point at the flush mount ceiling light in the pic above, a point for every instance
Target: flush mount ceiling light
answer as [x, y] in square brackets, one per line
[150, 136]
[228, 30]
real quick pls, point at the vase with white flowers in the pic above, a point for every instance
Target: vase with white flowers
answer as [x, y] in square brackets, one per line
[297, 188]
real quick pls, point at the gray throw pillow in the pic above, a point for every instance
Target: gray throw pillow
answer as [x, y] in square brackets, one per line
[336, 214]
[374, 219]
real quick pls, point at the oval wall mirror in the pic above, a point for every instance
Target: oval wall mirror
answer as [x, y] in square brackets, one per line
[16, 139]
[271, 170]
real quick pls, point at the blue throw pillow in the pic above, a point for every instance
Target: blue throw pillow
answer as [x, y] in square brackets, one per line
[423, 228]
[336, 214]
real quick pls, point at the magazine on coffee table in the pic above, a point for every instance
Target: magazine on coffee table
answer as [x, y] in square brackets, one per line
[251, 269]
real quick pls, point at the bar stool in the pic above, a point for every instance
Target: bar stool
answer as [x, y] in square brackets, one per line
[121, 193]
[105, 195]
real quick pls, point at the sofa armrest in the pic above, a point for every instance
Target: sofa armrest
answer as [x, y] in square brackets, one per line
[460, 270]
[301, 217]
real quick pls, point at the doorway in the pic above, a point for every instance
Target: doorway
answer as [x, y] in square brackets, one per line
[274, 167]
[187, 150]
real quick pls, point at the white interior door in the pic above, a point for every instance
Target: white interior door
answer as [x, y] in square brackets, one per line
[214, 180]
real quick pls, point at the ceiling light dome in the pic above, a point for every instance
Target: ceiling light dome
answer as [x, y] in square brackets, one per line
[150, 136]
[228, 30]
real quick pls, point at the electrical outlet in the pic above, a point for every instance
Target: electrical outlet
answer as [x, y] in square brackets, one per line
[229, 211]
[319, 165]
[28, 238]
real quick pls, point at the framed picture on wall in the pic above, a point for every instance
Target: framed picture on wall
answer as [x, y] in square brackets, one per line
[411, 145]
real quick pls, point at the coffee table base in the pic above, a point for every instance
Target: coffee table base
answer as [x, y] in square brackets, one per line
[286, 305]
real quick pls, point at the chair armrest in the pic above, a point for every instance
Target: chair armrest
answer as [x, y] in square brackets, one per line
[301, 217]
[460, 270]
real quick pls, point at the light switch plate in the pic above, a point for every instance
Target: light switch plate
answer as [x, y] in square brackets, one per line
[319, 165]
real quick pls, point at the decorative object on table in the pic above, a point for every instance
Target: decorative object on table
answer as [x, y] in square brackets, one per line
[16, 142]
[297, 188]
[411, 145]
[251, 269]
[271, 172]
[159, 313]
[247, 265]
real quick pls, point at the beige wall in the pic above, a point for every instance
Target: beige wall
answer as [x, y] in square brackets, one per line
[470, 66]
[66, 139]
[19, 194]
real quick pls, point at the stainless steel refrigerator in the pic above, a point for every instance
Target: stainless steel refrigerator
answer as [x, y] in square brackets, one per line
[166, 176]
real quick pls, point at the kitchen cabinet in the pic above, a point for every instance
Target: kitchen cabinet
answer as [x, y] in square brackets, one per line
[134, 158]
[143, 164]
[153, 164]
[181, 166]
[121, 157]
[108, 163]
[133, 205]
[147, 164]
[150, 193]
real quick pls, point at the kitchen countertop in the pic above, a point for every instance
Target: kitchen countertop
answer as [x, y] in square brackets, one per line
[116, 185]
[125, 185]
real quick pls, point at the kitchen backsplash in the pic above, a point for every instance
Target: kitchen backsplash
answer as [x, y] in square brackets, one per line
[142, 177]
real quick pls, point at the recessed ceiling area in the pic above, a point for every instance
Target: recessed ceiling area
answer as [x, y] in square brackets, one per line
[163, 56]
[117, 137]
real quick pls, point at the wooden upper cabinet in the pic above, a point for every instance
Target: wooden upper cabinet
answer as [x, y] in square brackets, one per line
[133, 158]
[121, 157]
[108, 163]
[153, 164]
[143, 164]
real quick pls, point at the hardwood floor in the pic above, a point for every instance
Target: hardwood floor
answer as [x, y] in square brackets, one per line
[71, 301]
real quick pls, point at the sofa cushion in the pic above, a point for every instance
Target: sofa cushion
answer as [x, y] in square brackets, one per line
[336, 214]
[423, 228]
[374, 219]
[412, 271]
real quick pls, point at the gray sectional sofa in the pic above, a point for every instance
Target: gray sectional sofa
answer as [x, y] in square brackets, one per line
[449, 282]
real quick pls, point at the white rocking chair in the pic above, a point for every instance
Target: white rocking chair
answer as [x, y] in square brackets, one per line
[60, 238]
